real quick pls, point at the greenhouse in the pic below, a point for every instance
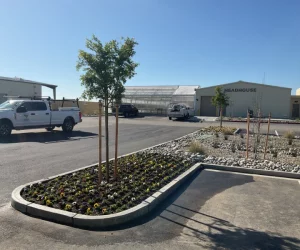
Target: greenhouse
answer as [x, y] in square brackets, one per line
[156, 99]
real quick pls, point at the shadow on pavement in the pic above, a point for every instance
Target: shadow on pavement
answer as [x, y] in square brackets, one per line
[181, 211]
[192, 119]
[47, 137]
[229, 236]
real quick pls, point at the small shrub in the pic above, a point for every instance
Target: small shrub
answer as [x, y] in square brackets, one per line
[217, 135]
[290, 135]
[196, 147]
[227, 131]
[290, 141]
[225, 137]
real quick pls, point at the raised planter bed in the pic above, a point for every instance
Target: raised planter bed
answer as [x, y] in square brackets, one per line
[78, 192]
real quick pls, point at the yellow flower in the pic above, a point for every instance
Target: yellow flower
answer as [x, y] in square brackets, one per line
[89, 211]
[96, 205]
[62, 195]
[104, 210]
[68, 207]
[48, 203]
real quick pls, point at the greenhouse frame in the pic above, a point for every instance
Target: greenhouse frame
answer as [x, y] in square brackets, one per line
[156, 99]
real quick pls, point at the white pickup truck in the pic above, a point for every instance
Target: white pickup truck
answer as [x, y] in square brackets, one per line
[29, 114]
[177, 110]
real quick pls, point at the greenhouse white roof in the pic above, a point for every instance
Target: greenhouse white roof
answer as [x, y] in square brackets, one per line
[159, 90]
[185, 90]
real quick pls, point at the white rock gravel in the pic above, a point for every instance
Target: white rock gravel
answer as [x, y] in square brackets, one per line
[287, 159]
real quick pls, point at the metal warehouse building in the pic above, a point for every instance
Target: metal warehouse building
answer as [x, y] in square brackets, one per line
[21, 87]
[244, 96]
[155, 99]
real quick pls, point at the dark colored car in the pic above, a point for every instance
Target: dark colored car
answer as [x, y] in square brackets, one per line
[126, 110]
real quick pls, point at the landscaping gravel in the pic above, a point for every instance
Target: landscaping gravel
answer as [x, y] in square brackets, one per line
[231, 152]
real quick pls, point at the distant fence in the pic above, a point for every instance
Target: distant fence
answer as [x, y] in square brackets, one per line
[86, 108]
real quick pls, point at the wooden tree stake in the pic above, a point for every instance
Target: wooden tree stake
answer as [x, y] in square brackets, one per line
[248, 125]
[100, 144]
[116, 142]
[266, 145]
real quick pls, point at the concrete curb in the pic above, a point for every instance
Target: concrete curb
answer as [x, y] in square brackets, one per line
[144, 208]
[102, 221]
[78, 220]
[252, 171]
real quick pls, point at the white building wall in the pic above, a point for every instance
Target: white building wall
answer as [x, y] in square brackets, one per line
[16, 88]
[248, 95]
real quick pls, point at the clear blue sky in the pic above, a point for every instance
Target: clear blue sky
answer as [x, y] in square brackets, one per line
[188, 42]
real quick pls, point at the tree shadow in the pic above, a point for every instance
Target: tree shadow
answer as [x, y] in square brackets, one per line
[47, 137]
[224, 235]
[192, 119]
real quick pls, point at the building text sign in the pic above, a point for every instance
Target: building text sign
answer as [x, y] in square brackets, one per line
[240, 90]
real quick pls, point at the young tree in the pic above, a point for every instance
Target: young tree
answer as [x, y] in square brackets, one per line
[106, 69]
[221, 101]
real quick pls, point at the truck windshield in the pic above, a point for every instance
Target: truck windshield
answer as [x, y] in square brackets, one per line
[9, 104]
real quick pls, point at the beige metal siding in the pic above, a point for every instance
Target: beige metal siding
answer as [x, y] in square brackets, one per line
[269, 98]
[15, 88]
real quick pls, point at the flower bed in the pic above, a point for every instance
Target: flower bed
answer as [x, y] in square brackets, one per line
[143, 174]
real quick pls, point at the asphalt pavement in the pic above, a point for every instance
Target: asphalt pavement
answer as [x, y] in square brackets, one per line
[36, 154]
[215, 210]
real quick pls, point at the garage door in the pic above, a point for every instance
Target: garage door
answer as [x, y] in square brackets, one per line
[206, 108]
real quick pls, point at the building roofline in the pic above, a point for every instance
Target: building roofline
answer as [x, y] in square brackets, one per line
[219, 85]
[21, 80]
[163, 86]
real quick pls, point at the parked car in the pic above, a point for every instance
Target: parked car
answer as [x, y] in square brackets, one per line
[126, 110]
[177, 110]
[28, 114]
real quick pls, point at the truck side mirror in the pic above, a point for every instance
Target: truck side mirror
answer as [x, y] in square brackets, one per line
[21, 109]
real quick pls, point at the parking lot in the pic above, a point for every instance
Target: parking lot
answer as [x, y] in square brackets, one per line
[218, 210]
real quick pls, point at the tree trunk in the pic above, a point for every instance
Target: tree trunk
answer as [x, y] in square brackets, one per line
[106, 141]
[221, 116]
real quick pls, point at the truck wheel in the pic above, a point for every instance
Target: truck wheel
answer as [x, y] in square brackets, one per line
[5, 129]
[68, 125]
[126, 114]
[170, 118]
[50, 129]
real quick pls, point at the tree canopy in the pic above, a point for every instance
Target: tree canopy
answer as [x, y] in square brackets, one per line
[220, 100]
[106, 68]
